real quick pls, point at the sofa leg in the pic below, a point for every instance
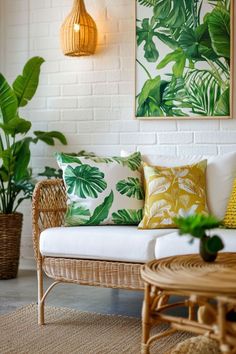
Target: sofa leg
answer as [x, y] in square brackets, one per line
[40, 295]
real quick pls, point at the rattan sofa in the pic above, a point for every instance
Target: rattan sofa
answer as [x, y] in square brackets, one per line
[49, 206]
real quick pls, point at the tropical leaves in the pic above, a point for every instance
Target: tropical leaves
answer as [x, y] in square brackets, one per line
[146, 33]
[149, 100]
[157, 98]
[26, 84]
[196, 42]
[8, 101]
[171, 11]
[127, 217]
[221, 3]
[15, 174]
[173, 191]
[203, 92]
[48, 137]
[131, 187]
[63, 158]
[88, 176]
[219, 29]
[76, 215]
[196, 224]
[222, 107]
[132, 161]
[102, 211]
[147, 2]
[179, 57]
[84, 181]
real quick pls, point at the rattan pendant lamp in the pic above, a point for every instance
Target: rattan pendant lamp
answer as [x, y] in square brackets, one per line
[78, 32]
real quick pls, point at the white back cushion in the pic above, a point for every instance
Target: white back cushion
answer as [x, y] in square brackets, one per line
[220, 174]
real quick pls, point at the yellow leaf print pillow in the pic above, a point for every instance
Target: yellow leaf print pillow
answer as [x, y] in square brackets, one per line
[172, 192]
[230, 215]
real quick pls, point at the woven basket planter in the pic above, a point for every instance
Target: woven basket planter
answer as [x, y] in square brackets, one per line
[10, 235]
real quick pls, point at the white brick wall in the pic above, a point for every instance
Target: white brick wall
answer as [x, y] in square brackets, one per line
[91, 99]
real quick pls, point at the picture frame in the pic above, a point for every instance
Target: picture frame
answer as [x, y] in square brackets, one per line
[184, 60]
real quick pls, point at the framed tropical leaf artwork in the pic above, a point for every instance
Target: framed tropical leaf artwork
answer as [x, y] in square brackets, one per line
[184, 59]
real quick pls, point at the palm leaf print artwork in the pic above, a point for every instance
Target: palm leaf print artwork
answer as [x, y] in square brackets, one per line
[183, 58]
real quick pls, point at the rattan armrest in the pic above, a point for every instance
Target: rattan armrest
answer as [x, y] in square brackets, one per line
[48, 208]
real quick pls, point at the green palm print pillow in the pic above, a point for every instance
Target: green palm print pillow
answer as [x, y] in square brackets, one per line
[102, 190]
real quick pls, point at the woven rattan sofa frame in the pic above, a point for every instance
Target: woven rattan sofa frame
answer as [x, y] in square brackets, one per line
[48, 208]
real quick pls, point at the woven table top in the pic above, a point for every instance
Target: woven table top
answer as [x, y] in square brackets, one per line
[190, 273]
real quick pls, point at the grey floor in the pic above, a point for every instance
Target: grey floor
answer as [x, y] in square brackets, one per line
[18, 292]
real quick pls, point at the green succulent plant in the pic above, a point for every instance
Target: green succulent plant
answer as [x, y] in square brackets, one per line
[197, 226]
[16, 182]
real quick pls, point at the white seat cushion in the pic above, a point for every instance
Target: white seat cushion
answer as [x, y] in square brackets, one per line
[115, 243]
[175, 245]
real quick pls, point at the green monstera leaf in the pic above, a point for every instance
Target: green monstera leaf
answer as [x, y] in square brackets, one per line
[172, 12]
[84, 181]
[102, 211]
[77, 215]
[131, 187]
[175, 14]
[132, 161]
[127, 217]
[145, 33]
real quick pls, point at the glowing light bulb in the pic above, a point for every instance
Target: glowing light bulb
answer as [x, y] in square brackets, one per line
[76, 27]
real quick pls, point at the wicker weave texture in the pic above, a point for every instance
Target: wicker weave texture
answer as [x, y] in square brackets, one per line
[191, 273]
[96, 273]
[207, 286]
[49, 206]
[10, 235]
[78, 32]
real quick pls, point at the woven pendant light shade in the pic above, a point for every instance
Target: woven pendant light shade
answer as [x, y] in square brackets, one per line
[78, 32]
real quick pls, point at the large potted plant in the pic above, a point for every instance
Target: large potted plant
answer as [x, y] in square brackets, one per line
[16, 182]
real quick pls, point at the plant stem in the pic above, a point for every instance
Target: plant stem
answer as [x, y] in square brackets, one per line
[147, 72]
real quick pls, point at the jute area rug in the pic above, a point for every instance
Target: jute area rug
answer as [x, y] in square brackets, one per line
[72, 332]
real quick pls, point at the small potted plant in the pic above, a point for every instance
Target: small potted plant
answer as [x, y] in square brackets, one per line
[197, 226]
[16, 183]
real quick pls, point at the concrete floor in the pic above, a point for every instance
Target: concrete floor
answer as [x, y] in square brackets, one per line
[18, 292]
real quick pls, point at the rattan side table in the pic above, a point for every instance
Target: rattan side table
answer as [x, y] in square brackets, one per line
[198, 282]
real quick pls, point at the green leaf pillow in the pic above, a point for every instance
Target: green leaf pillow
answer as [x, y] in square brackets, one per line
[102, 190]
